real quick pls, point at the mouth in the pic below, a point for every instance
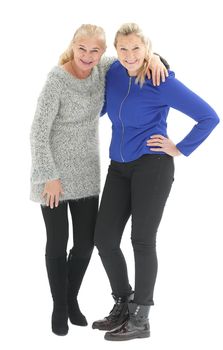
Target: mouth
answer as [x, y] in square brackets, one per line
[86, 63]
[131, 62]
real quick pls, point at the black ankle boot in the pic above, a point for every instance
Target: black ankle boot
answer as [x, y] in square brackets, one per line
[137, 326]
[76, 270]
[117, 316]
[57, 275]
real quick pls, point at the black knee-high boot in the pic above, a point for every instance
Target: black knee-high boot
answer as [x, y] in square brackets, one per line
[76, 269]
[57, 275]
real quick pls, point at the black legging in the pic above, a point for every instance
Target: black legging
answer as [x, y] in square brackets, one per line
[83, 213]
[139, 188]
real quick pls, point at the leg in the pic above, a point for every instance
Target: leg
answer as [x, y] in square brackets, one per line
[56, 222]
[84, 213]
[113, 214]
[151, 185]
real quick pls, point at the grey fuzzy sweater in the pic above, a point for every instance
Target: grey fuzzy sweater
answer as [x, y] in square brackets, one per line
[64, 133]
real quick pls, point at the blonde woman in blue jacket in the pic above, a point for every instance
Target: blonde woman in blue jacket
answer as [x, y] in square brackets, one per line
[140, 176]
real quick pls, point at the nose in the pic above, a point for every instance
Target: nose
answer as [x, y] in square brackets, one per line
[88, 56]
[129, 55]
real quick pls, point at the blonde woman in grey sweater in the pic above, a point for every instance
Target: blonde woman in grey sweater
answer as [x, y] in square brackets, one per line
[65, 164]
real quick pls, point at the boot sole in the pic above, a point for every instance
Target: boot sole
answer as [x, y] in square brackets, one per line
[60, 334]
[122, 338]
[78, 324]
[108, 330]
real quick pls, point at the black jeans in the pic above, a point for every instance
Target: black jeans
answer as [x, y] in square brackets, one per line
[83, 212]
[139, 188]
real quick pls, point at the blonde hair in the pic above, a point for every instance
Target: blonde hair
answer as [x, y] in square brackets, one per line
[85, 30]
[133, 28]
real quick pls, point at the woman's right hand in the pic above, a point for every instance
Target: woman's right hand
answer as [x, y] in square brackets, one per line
[52, 191]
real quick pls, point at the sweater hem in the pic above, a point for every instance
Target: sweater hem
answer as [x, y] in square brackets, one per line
[70, 198]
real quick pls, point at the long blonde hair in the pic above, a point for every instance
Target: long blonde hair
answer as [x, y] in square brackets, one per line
[133, 28]
[85, 30]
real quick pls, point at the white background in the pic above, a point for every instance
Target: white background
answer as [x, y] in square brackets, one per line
[188, 309]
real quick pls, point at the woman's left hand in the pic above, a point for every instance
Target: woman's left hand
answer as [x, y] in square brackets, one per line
[163, 144]
[158, 70]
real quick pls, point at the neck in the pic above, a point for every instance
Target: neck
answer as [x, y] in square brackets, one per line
[132, 74]
[78, 73]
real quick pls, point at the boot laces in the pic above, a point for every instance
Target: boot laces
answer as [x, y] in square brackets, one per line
[116, 310]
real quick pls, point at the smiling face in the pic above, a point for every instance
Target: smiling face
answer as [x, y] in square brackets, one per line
[131, 52]
[87, 52]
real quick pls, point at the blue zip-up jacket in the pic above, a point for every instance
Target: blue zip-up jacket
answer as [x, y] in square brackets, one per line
[138, 113]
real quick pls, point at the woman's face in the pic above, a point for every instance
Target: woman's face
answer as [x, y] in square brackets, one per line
[131, 52]
[87, 52]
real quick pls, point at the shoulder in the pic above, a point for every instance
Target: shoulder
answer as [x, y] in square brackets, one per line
[170, 83]
[105, 64]
[170, 78]
[56, 75]
[52, 78]
[53, 83]
[115, 67]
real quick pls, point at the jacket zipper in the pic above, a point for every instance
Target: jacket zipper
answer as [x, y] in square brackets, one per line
[119, 115]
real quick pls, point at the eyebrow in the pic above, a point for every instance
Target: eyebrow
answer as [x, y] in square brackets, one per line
[124, 45]
[94, 48]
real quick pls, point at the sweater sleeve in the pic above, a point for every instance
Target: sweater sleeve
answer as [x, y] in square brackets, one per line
[176, 95]
[43, 166]
[105, 63]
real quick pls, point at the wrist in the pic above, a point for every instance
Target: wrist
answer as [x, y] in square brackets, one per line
[178, 153]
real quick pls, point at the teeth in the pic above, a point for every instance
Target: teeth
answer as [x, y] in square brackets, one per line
[86, 62]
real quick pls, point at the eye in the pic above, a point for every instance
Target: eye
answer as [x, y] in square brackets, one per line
[136, 48]
[122, 48]
[95, 50]
[81, 49]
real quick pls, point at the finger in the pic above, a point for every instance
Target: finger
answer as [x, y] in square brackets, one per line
[158, 144]
[166, 72]
[148, 74]
[154, 77]
[47, 199]
[163, 77]
[155, 140]
[43, 194]
[151, 144]
[162, 141]
[57, 200]
[158, 77]
[156, 149]
[157, 136]
[52, 201]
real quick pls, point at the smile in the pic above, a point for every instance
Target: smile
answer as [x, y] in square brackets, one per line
[87, 63]
[131, 62]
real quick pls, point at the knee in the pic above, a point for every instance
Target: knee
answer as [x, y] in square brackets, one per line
[104, 245]
[99, 239]
[55, 251]
[143, 246]
[100, 243]
[82, 251]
